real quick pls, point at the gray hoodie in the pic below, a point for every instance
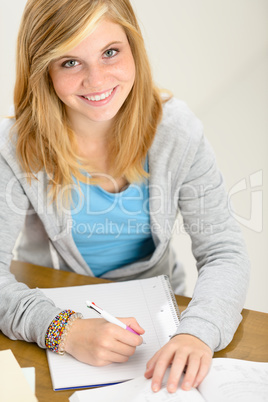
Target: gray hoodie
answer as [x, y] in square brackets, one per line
[184, 179]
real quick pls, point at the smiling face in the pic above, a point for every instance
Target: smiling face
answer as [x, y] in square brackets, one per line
[94, 79]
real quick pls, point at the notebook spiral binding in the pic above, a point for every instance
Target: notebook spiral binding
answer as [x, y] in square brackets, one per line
[171, 298]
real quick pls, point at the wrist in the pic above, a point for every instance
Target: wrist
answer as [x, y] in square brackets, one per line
[63, 341]
[202, 329]
[58, 330]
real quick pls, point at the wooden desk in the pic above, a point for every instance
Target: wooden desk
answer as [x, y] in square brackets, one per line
[250, 341]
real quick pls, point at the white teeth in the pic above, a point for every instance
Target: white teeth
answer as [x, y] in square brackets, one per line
[99, 97]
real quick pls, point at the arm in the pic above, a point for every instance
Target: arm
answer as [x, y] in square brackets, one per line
[219, 249]
[213, 315]
[24, 313]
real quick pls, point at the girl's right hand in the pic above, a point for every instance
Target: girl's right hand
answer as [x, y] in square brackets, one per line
[98, 342]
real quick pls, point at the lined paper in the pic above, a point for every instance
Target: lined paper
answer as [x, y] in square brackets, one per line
[148, 300]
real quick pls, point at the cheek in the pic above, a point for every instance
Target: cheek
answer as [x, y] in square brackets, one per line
[63, 85]
[127, 71]
[131, 68]
[132, 72]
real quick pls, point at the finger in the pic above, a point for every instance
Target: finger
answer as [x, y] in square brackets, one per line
[123, 349]
[127, 337]
[111, 350]
[113, 357]
[151, 365]
[203, 370]
[177, 368]
[191, 372]
[108, 357]
[112, 332]
[158, 373]
[132, 323]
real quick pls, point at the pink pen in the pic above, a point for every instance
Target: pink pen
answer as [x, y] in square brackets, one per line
[108, 317]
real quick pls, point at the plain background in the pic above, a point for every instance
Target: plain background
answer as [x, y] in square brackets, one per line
[213, 54]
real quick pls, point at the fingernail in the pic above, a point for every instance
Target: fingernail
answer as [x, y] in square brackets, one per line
[186, 385]
[155, 387]
[171, 388]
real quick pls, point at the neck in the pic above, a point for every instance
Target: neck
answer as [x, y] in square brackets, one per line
[92, 140]
[89, 130]
[97, 132]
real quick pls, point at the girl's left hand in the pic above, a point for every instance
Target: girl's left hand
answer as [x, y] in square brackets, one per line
[182, 350]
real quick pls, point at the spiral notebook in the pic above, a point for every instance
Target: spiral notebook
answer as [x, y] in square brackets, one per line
[151, 301]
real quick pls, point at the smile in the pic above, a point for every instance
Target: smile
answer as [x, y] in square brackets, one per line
[97, 98]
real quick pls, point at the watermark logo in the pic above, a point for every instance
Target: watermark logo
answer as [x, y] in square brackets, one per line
[163, 202]
[254, 188]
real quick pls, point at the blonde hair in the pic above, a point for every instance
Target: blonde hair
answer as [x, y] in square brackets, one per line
[48, 29]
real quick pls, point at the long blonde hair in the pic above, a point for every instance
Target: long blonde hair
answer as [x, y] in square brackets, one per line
[48, 29]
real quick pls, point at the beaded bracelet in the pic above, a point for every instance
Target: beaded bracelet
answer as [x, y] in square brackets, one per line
[66, 330]
[58, 330]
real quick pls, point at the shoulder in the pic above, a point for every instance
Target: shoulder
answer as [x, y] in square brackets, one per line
[178, 119]
[179, 132]
[8, 155]
[6, 144]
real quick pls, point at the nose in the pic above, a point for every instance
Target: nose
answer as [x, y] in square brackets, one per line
[94, 77]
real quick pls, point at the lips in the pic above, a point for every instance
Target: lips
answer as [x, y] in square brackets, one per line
[97, 97]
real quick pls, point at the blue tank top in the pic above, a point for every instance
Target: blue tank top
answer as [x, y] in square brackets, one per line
[111, 230]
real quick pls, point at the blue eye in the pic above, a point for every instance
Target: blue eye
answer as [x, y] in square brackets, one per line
[110, 53]
[70, 63]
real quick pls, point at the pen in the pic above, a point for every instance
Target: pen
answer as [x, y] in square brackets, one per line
[110, 318]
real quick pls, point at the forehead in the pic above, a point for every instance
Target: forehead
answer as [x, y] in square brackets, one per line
[104, 33]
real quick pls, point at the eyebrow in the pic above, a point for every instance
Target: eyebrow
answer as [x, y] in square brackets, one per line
[110, 44]
[102, 50]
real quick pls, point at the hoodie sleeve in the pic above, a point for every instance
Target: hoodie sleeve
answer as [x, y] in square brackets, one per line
[24, 313]
[214, 312]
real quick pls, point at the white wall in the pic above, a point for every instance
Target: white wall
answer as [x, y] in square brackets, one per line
[214, 55]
